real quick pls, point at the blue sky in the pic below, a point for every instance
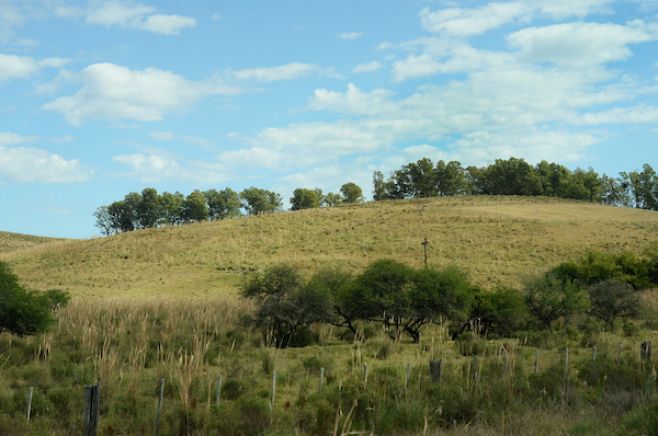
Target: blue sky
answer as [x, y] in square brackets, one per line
[101, 98]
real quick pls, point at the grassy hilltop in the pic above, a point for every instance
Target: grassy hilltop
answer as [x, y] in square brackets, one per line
[498, 240]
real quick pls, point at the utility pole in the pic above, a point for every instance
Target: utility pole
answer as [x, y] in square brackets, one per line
[425, 244]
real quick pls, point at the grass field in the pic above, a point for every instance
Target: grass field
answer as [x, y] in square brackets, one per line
[498, 240]
[161, 304]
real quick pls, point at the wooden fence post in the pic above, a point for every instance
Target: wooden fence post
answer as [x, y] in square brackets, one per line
[159, 408]
[92, 408]
[273, 387]
[365, 374]
[594, 357]
[645, 351]
[435, 370]
[218, 393]
[536, 361]
[321, 377]
[566, 375]
[407, 377]
[30, 393]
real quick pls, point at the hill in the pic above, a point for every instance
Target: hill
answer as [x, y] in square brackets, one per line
[14, 241]
[498, 240]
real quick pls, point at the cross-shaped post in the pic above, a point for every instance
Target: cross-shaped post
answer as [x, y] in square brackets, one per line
[425, 244]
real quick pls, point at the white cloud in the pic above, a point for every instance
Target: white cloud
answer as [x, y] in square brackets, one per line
[577, 44]
[290, 71]
[354, 101]
[153, 167]
[629, 115]
[136, 16]
[150, 167]
[8, 138]
[34, 165]
[260, 157]
[465, 22]
[116, 92]
[349, 36]
[20, 67]
[168, 24]
[415, 66]
[369, 67]
[10, 18]
[474, 21]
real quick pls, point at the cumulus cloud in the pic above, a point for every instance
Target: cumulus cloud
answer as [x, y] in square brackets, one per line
[21, 67]
[578, 44]
[415, 66]
[289, 71]
[34, 165]
[354, 101]
[465, 22]
[156, 166]
[116, 92]
[136, 16]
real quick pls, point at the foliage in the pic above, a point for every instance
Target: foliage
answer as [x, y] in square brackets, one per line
[500, 312]
[24, 312]
[549, 299]
[284, 305]
[303, 198]
[516, 177]
[596, 267]
[222, 204]
[612, 299]
[351, 193]
[194, 207]
[257, 201]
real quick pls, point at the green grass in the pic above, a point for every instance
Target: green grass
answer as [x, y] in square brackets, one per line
[497, 240]
[15, 241]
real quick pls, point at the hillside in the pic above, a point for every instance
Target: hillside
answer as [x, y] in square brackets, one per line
[498, 240]
[15, 241]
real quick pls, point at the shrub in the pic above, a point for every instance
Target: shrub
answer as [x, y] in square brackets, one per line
[613, 299]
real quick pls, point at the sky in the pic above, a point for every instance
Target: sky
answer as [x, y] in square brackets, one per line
[101, 98]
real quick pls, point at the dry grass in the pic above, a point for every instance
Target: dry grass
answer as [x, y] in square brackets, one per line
[498, 240]
[15, 241]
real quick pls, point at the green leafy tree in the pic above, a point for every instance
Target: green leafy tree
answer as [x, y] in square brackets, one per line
[285, 304]
[450, 178]
[351, 193]
[171, 208]
[257, 201]
[437, 294]
[331, 199]
[337, 284]
[222, 204]
[194, 207]
[303, 198]
[104, 221]
[148, 208]
[611, 300]
[24, 312]
[501, 311]
[549, 299]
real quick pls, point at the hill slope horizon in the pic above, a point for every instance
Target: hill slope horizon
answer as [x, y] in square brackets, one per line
[497, 240]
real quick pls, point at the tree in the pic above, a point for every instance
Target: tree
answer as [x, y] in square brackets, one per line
[379, 186]
[257, 201]
[222, 204]
[122, 216]
[381, 294]
[171, 208]
[437, 294]
[450, 178]
[501, 311]
[24, 312]
[284, 303]
[549, 299]
[194, 207]
[148, 208]
[351, 193]
[331, 199]
[511, 177]
[337, 284]
[104, 221]
[613, 299]
[303, 198]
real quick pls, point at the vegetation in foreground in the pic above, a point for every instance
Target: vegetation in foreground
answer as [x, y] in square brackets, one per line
[571, 376]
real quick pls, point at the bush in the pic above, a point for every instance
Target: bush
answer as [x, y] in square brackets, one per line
[613, 299]
[24, 312]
